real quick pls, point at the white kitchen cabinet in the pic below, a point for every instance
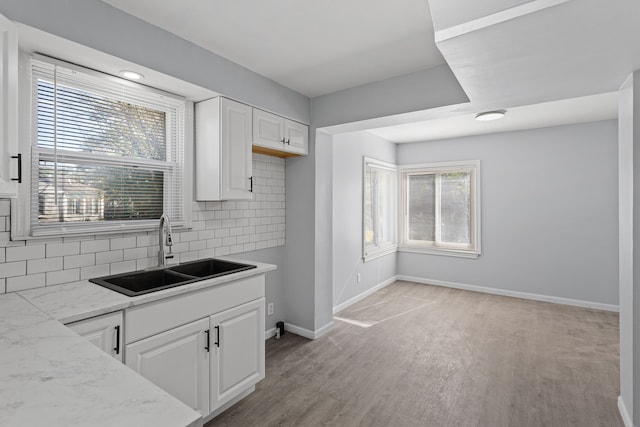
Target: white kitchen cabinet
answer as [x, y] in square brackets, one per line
[178, 361]
[297, 137]
[237, 357]
[268, 130]
[223, 150]
[170, 341]
[105, 332]
[277, 136]
[10, 159]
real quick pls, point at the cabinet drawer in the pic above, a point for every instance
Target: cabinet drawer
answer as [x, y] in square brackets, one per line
[149, 319]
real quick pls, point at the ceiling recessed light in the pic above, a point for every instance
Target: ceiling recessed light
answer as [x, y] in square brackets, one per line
[488, 116]
[131, 75]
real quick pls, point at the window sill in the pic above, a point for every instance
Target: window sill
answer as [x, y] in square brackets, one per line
[79, 234]
[379, 253]
[440, 251]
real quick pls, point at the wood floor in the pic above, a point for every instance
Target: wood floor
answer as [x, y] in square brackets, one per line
[419, 355]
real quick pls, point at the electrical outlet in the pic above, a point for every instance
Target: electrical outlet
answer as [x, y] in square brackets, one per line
[270, 308]
[358, 277]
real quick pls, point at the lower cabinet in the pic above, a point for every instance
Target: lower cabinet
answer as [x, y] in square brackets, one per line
[104, 332]
[208, 362]
[177, 361]
[237, 359]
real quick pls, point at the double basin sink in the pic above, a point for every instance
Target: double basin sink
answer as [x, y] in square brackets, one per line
[143, 282]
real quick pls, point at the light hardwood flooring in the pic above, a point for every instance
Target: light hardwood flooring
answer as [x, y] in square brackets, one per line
[433, 356]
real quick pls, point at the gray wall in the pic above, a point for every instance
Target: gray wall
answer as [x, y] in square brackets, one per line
[422, 90]
[348, 151]
[549, 212]
[100, 26]
[629, 198]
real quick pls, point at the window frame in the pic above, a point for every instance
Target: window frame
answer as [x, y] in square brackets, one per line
[24, 227]
[473, 250]
[379, 249]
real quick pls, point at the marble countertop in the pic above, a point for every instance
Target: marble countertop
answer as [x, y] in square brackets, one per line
[80, 300]
[51, 376]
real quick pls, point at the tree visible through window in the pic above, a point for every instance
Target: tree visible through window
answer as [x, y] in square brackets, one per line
[440, 207]
[104, 151]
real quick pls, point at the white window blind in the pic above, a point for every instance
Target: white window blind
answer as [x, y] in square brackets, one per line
[107, 154]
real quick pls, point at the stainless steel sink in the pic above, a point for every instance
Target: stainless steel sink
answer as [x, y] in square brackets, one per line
[143, 282]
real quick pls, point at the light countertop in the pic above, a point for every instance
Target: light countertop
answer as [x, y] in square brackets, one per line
[51, 376]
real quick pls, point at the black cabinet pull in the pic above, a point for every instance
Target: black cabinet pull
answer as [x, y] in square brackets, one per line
[206, 346]
[251, 184]
[117, 347]
[19, 178]
[288, 142]
[217, 343]
[283, 141]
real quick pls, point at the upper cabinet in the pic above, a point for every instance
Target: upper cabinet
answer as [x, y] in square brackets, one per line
[277, 136]
[10, 159]
[223, 150]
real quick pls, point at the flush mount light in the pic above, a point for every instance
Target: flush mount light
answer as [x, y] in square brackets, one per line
[488, 116]
[131, 75]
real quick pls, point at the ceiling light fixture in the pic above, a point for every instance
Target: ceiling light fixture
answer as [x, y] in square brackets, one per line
[131, 75]
[488, 116]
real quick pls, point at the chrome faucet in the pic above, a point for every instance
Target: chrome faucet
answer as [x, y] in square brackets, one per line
[165, 225]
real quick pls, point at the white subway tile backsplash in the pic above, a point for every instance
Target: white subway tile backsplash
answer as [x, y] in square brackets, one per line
[92, 246]
[109, 257]
[12, 269]
[217, 229]
[21, 283]
[62, 249]
[74, 261]
[145, 263]
[93, 271]
[63, 276]
[44, 265]
[136, 253]
[122, 267]
[123, 243]
[197, 245]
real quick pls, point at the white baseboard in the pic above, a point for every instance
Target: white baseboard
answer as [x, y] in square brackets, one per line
[269, 333]
[363, 295]
[515, 294]
[303, 332]
[626, 418]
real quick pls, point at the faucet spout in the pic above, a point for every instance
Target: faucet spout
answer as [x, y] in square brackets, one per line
[164, 238]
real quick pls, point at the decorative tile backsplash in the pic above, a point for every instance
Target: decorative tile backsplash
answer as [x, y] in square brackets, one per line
[218, 228]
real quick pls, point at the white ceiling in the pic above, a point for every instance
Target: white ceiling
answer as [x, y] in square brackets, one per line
[568, 111]
[539, 50]
[313, 47]
[549, 62]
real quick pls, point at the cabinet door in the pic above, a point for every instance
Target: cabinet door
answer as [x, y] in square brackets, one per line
[268, 130]
[105, 332]
[8, 108]
[237, 358]
[177, 361]
[236, 159]
[296, 137]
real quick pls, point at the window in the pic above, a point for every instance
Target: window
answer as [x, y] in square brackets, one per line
[379, 209]
[106, 154]
[440, 208]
